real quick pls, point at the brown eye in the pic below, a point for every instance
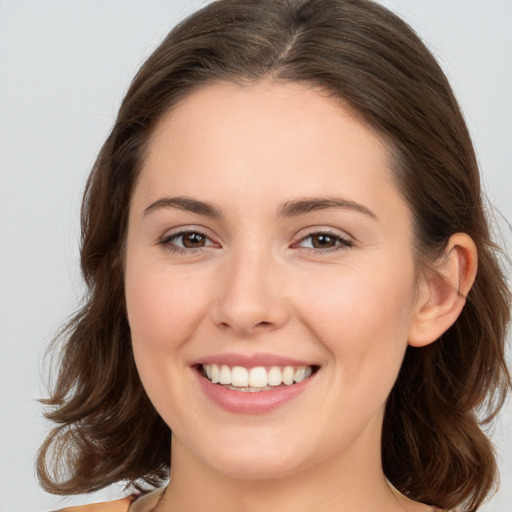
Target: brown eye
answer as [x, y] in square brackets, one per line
[323, 241]
[186, 241]
[193, 240]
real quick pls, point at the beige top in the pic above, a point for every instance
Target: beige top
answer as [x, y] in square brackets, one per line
[111, 506]
[132, 503]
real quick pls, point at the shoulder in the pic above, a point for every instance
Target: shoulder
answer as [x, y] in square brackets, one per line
[121, 505]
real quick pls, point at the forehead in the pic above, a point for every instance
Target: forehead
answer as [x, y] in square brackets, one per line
[266, 106]
[273, 139]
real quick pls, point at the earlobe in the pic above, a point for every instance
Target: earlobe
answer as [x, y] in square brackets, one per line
[442, 294]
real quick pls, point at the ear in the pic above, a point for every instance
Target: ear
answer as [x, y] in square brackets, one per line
[443, 290]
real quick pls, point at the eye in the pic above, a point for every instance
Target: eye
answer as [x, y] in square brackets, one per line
[187, 241]
[324, 241]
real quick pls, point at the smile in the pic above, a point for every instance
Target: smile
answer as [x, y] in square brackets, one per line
[253, 384]
[255, 379]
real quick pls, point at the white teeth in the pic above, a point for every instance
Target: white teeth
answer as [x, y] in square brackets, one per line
[239, 376]
[258, 378]
[275, 376]
[225, 375]
[300, 374]
[214, 369]
[288, 374]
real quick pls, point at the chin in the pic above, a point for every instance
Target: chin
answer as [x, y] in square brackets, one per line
[258, 467]
[255, 456]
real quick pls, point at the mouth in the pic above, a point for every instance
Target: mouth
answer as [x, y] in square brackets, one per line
[255, 379]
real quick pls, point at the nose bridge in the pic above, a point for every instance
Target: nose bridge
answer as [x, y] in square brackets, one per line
[250, 295]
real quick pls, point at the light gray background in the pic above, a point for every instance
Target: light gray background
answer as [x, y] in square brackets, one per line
[65, 65]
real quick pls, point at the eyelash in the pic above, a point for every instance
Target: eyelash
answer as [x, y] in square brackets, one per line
[341, 243]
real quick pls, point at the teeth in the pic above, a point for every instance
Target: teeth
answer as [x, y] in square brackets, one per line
[288, 374]
[258, 377]
[248, 389]
[275, 376]
[214, 370]
[239, 376]
[254, 379]
[299, 374]
[225, 375]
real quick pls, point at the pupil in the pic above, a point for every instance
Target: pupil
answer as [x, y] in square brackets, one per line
[192, 240]
[322, 241]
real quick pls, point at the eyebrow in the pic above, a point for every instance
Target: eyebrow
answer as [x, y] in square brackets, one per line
[303, 206]
[185, 203]
[288, 209]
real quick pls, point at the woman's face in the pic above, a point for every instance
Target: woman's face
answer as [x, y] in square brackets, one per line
[267, 241]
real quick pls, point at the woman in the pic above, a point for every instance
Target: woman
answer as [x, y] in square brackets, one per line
[290, 269]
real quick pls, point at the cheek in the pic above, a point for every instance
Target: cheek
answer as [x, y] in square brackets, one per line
[162, 309]
[362, 314]
[163, 316]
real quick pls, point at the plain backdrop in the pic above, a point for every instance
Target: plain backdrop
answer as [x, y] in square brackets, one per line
[65, 65]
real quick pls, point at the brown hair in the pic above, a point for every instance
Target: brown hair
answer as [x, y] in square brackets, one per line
[433, 450]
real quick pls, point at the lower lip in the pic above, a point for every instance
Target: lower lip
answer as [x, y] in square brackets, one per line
[251, 402]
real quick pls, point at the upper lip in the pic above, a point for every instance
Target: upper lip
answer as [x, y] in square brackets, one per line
[251, 360]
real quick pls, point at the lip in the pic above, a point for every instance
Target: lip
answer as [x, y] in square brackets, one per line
[245, 402]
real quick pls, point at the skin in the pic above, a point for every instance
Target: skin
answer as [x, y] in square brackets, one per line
[257, 285]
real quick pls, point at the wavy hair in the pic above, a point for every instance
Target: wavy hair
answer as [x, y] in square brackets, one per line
[433, 447]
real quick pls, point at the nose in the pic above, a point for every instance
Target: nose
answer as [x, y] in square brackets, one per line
[251, 295]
